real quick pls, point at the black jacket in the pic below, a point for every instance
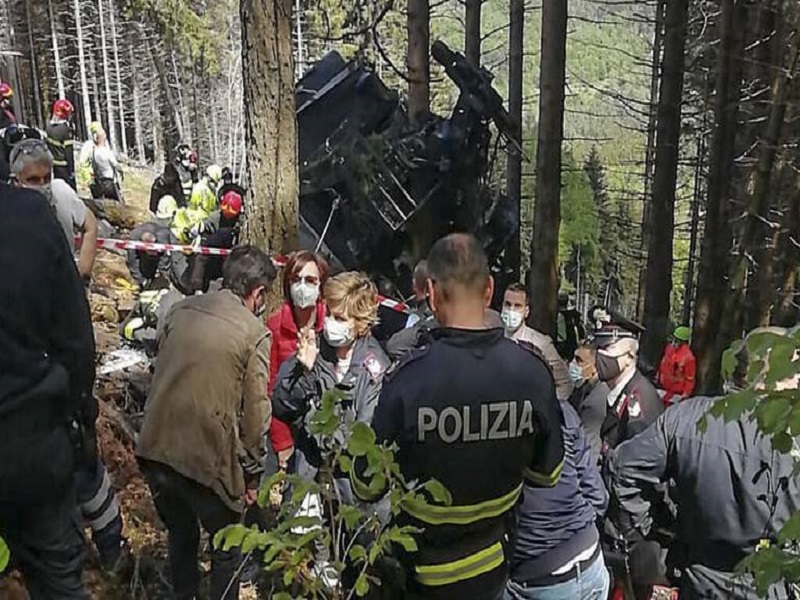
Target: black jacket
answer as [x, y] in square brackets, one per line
[46, 347]
[144, 266]
[60, 141]
[556, 524]
[478, 413]
[590, 401]
[632, 412]
[298, 394]
[730, 487]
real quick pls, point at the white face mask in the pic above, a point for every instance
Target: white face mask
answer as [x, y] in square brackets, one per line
[512, 320]
[304, 295]
[576, 374]
[337, 334]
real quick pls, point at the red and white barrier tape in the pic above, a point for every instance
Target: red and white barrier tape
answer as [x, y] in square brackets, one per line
[280, 261]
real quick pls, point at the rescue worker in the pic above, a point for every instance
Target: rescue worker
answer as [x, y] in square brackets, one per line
[46, 379]
[186, 167]
[204, 192]
[61, 143]
[557, 552]
[200, 445]
[590, 396]
[514, 314]
[10, 137]
[732, 490]
[677, 369]
[220, 229]
[7, 116]
[106, 170]
[633, 403]
[476, 412]
[32, 168]
[144, 266]
[167, 184]
[303, 309]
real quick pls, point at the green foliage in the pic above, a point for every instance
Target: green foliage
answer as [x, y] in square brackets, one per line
[355, 534]
[5, 555]
[769, 377]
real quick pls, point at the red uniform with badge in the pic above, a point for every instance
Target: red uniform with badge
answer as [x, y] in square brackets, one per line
[676, 373]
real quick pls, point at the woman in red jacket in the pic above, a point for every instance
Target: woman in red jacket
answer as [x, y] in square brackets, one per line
[303, 308]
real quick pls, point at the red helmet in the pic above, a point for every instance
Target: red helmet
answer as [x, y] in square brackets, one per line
[231, 205]
[193, 157]
[63, 109]
[5, 91]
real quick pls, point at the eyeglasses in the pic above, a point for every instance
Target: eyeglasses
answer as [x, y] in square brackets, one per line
[27, 147]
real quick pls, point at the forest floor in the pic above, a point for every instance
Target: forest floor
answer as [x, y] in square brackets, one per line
[113, 294]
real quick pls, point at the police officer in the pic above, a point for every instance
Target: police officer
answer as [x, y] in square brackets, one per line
[731, 487]
[633, 402]
[478, 413]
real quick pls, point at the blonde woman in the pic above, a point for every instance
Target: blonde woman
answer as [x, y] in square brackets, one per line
[346, 357]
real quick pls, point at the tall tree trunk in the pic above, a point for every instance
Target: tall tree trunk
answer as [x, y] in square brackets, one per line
[95, 85]
[547, 210]
[9, 44]
[650, 151]
[112, 129]
[182, 105]
[753, 245]
[120, 103]
[137, 110]
[516, 35]
[172, 105]
[270, 125]
[694, 226]
[56, 50]
[472, 31]
[85, 100]
[34, 63]
[658, 286]
[419, 41]
[787, 311]
[712, 286]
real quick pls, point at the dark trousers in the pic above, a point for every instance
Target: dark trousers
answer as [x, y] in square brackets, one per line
[182, 503]
[100, 510]
[47, 546]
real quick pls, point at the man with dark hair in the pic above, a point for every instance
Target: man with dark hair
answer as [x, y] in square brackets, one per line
[201, 441]
[46, 378]
[420, 281]
[515, 313]
[476, 412]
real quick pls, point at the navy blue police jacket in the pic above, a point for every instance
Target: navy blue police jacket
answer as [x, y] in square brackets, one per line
[478, 413]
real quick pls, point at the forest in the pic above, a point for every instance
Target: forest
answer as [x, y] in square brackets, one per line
[675, 193]
[657, 171]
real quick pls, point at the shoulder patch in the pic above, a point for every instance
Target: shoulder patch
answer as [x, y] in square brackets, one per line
[634, 407]
[374, 366]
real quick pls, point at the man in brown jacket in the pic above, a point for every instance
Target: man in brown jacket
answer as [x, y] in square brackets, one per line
[201, 441]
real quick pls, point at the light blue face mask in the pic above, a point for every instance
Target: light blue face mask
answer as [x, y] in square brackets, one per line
[576, 374]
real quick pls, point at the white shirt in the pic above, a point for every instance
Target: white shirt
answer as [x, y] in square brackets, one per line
[342, 367]
[626, 378]
[104, 162]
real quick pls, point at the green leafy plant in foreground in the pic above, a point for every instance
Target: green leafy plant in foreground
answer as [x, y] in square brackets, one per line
[770, 396]
[5, 555]
[357, 537]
